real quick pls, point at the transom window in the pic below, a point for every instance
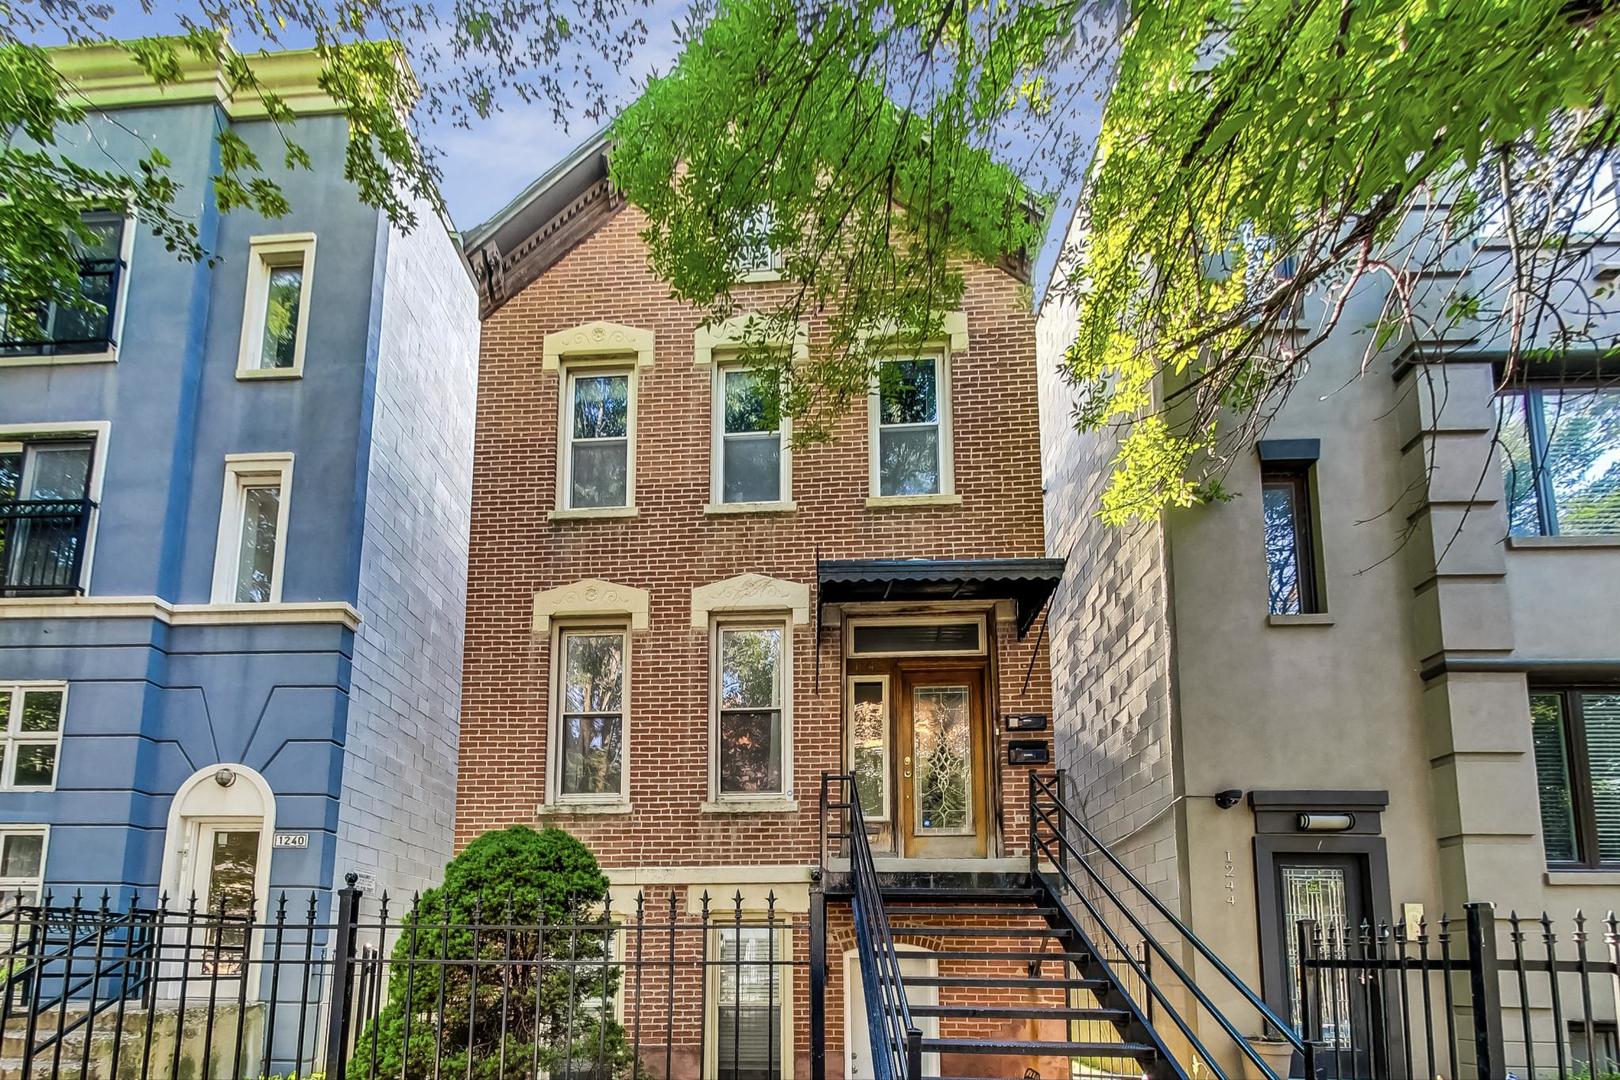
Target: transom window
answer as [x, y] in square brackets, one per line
[599, 421]
[22, 865]
[751, 460]
[32, 730]
[751, 735]
[590, 695]
[911, 451]
[1561, 460]
[1577, 746]
[57, 329]
[910, 635]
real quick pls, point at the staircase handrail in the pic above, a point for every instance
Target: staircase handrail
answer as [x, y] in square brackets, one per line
[1039, 815]
[896, 1039]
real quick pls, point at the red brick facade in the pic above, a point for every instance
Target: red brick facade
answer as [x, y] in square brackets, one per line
[671, 546]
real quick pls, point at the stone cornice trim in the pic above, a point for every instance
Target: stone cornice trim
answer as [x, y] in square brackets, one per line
[953, 332]
[597, 339]
[106, 77]
[152, 607]
[750, 592]
[588, 598]
[734, 332]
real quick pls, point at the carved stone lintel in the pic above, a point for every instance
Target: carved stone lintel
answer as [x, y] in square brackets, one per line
[597, 339]
[592, 596]
[750, 592]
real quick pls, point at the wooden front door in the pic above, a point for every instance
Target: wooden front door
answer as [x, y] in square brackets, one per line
[939, 751]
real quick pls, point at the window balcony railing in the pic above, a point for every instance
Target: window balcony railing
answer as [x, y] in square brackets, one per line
[56, 330]
[42, 544]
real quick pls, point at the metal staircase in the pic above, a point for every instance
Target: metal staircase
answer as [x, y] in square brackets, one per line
[1047, 973]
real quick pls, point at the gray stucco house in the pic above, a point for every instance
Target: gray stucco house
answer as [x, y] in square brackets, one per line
[233, 528]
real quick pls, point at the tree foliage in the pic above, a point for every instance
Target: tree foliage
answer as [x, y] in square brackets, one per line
[540, 979]
[1259, 161]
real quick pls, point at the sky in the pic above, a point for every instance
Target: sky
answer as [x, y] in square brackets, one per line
[486, 164]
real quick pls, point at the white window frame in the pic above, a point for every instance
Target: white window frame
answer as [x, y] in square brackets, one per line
[717, 445]
[99, 431]
[267, 253]
[560, 630]
[10, 886]
[977, 620]
[571, 372]
[785, 1061]
[12, 735]
[888, 736]
[784, 676]
[243, 471]
[944, 423]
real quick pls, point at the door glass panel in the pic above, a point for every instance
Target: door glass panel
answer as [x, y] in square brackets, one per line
[233, 860]
[869, 743]
[942, 745]
[1320, 893]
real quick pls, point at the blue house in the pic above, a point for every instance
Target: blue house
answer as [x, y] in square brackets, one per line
[233, 528]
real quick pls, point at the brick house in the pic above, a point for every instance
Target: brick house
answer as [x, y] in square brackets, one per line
[677, 623]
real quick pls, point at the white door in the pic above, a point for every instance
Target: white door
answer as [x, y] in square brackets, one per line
[857, 1034]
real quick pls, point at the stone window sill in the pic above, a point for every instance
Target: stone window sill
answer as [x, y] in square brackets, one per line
[784, 507]
[750, 806]
[902, 502]
[1596, 878]
[1532, 543]
[109, 355]
[1317, 618]
[568, 809]
[751, 276]
[255, 374]
[588, 513]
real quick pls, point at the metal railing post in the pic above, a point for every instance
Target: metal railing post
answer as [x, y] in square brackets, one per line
[1485, 991]
[340, 999]
[818, 977]
[1034, 862]
[913, 1054]
[1310, 1009]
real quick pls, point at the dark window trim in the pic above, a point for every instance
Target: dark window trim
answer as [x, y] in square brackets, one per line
[113, 270]
[1578, 765]
[1295, 475]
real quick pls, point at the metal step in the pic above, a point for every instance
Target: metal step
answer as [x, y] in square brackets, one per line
[1017, 957]
[1005, 982]
[1021, 1012]
[974, 931]
[1138, 1051]
[965, 894]
[965, 909]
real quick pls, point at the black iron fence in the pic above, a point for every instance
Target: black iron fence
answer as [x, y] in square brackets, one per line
[1482, 997]
[42, 543]
[670, 988]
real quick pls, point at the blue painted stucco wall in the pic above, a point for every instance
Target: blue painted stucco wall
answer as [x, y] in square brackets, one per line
[377, 519]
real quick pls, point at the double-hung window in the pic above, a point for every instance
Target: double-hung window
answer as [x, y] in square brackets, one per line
[1576, 734]
[910, 424]
[751, 713]
[253, 529]
[751, 455]
[31, 716]
[275, 313]
[599, 438]
[747, 1026]
[74, 329]
[22, 865]
[591, 700]
[1560, 450]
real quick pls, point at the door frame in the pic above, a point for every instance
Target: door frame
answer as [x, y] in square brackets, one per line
[1373, 856]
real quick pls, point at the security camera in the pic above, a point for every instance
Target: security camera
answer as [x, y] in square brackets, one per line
[1228, 798]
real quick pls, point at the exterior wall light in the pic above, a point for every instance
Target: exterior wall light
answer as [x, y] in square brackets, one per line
[1325, 822]
[225, 777]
